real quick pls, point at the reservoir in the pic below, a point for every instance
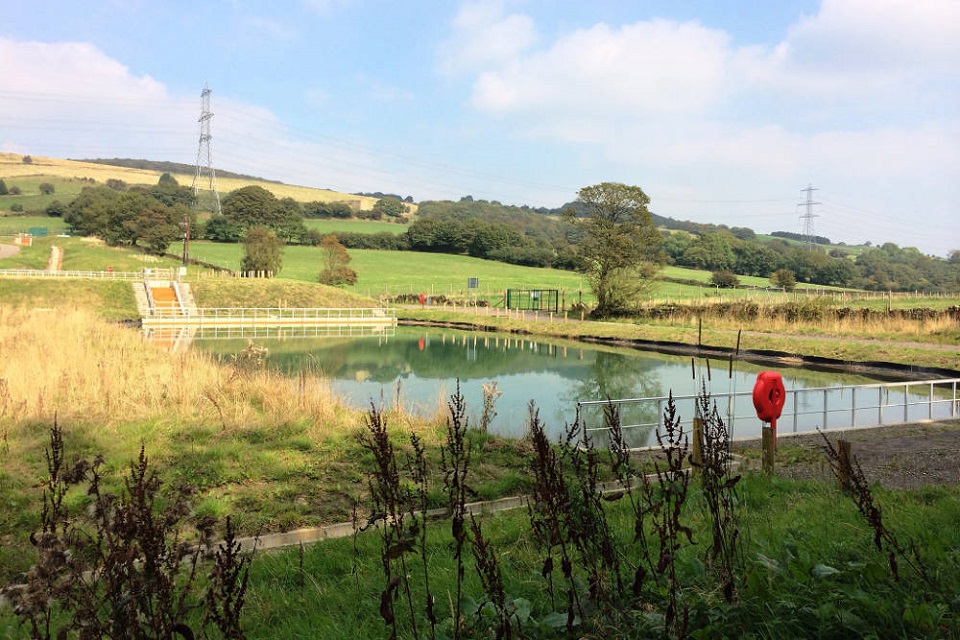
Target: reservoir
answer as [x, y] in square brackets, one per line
[418, 368]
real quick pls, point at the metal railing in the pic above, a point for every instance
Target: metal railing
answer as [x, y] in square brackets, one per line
[280, 316]
[805, 410]
[217, 332]
[90, 275]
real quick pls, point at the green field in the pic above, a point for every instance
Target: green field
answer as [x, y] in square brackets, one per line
[393, 272]
[30, 198]
[12, 225]
[354, 226]
[84, 254]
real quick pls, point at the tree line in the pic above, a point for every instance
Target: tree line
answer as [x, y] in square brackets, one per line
[154, 217]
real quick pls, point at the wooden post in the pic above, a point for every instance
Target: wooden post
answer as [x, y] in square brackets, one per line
[844, 466]
[768, 445]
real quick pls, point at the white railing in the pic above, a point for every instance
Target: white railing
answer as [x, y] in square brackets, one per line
[239, 316]
[805, 410]
[219, 332]
[90, 275]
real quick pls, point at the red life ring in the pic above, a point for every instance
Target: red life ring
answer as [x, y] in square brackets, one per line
[769, 395]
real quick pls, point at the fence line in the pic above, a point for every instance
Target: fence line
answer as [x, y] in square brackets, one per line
[269, 316]
[805, 410]
[89, 275]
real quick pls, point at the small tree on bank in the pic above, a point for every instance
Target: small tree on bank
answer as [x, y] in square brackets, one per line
[620, 244]
[262, 251]
[784, 279]
[335, 260]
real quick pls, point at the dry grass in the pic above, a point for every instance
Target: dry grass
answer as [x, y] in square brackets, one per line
[12, 166]
[69, 363]
[942, 329]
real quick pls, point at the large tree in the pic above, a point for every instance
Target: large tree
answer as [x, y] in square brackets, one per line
[254, 206]
[620, 245]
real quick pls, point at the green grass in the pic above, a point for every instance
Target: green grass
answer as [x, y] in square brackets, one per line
[12, 225]
[113, 300]
[30, 198]
[84, 254]
[810, 568]
[354, 226]
[393, 272]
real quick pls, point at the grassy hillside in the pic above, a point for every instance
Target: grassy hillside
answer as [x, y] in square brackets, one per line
[70, 176]
[394, 272]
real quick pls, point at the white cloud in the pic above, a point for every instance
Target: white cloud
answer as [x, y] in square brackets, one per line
[861, 96]
[655, 67]
[74, 69]
[483, 36]
[860, 48]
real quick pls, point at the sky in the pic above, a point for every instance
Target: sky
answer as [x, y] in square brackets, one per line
[722, 111]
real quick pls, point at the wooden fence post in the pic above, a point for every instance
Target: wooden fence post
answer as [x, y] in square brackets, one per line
[768, 445]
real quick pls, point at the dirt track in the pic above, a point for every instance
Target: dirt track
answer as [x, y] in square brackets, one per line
[8, 250]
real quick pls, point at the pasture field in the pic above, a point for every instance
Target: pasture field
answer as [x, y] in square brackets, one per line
[354, 226]
[85, 254]
[12, 225]
[69, 172]
[396, 272]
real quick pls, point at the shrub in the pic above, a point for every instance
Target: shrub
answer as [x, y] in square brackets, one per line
[46, 188]
[121, 570]
[724, 279]
[784, 279]
[55, 209]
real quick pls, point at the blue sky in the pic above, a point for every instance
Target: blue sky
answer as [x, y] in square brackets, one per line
[721, 111]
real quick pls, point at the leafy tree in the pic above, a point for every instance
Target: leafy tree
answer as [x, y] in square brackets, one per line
[710, 251]
[251, 206]
[262, 250]
[954, 257]
[27, 159]
[157, 226]
[219, 229]
[755, 259]
[620, 244]
[89, 213]
[390, 207]
[784, 279]
[56, 209]
[319, 209]
[336, 271]
[46, 188]
[255, 206]
[3, 188]
[116, 184]
[168, 180]
[15, 190]
[724, 279]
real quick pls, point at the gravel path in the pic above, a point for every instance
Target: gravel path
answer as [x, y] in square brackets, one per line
[900, 456]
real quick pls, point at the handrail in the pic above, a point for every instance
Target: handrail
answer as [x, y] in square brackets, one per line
[95, 275]
[841, 406]
[151, 303]
[270, 315]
